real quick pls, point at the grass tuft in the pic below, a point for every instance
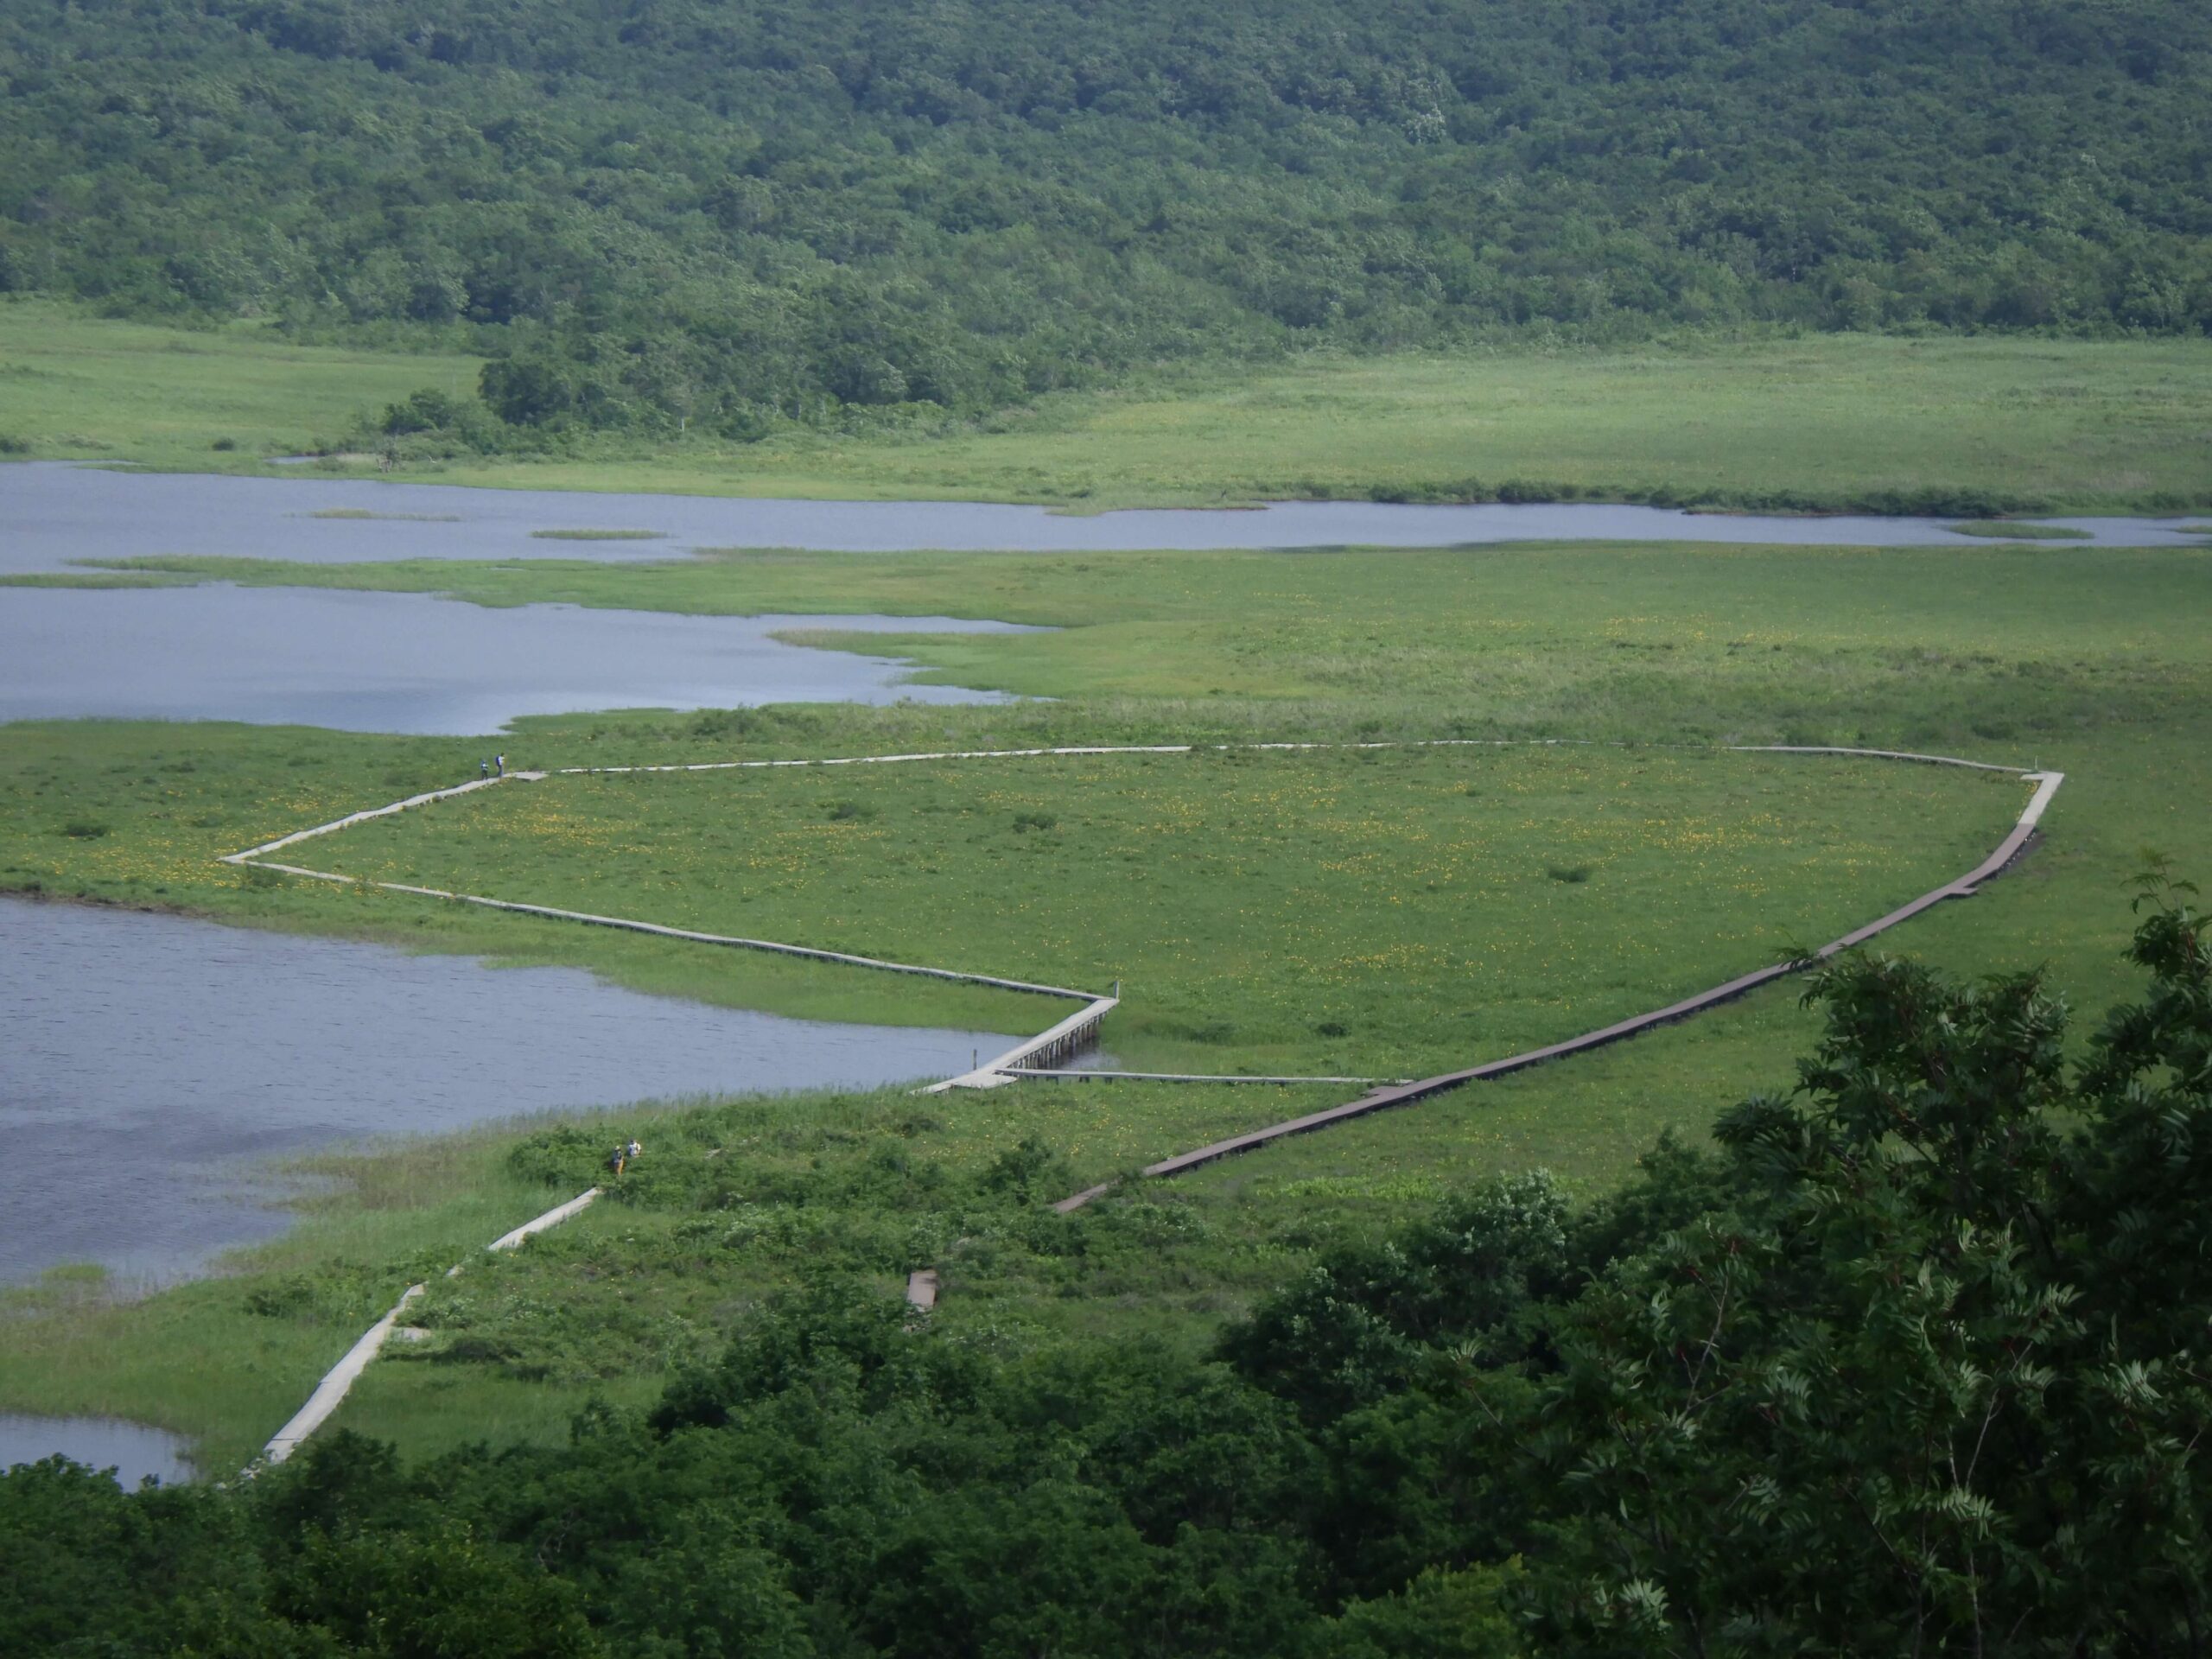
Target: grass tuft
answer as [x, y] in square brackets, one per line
[2020, 529]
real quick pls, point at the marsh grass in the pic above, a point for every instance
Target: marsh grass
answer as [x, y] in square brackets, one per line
[172, 800]
[1641, 644]
[2020, 529]
[225, 1360]
[100, 389]
[1242, 898]
[1835, 422]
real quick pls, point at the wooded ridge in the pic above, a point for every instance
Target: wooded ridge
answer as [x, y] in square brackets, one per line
[657, 212]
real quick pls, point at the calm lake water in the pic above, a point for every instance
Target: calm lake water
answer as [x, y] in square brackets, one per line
[371, 662]
[148, 1058]
[134, 1451]
[53, 513]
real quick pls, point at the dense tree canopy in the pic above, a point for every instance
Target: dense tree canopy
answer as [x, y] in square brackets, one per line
[1914, 1361]
[738, 213]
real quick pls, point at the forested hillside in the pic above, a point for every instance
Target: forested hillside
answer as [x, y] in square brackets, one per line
[736, 214]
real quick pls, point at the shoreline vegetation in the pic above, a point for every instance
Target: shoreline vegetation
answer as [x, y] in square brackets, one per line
[2010, 530]
[1948, 426]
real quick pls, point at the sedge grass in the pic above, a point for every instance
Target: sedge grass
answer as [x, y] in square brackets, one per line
[1827, 423]
[1370, 912]
[76, 387]
[2019, 530]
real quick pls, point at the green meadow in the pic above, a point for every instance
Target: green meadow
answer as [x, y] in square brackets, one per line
[1376, 913]
[78, 387]
[1816, 422]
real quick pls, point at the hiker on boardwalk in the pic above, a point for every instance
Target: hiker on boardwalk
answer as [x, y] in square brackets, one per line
[503, 765]
[483, 768]
[617, 1158]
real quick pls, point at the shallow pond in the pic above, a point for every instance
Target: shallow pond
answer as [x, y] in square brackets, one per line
[134, 1451]
[53, 513]
[148, 1057]
[370, 662]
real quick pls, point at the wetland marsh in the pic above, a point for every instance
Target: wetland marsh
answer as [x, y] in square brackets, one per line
[2080, 658]
[1373, 914]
